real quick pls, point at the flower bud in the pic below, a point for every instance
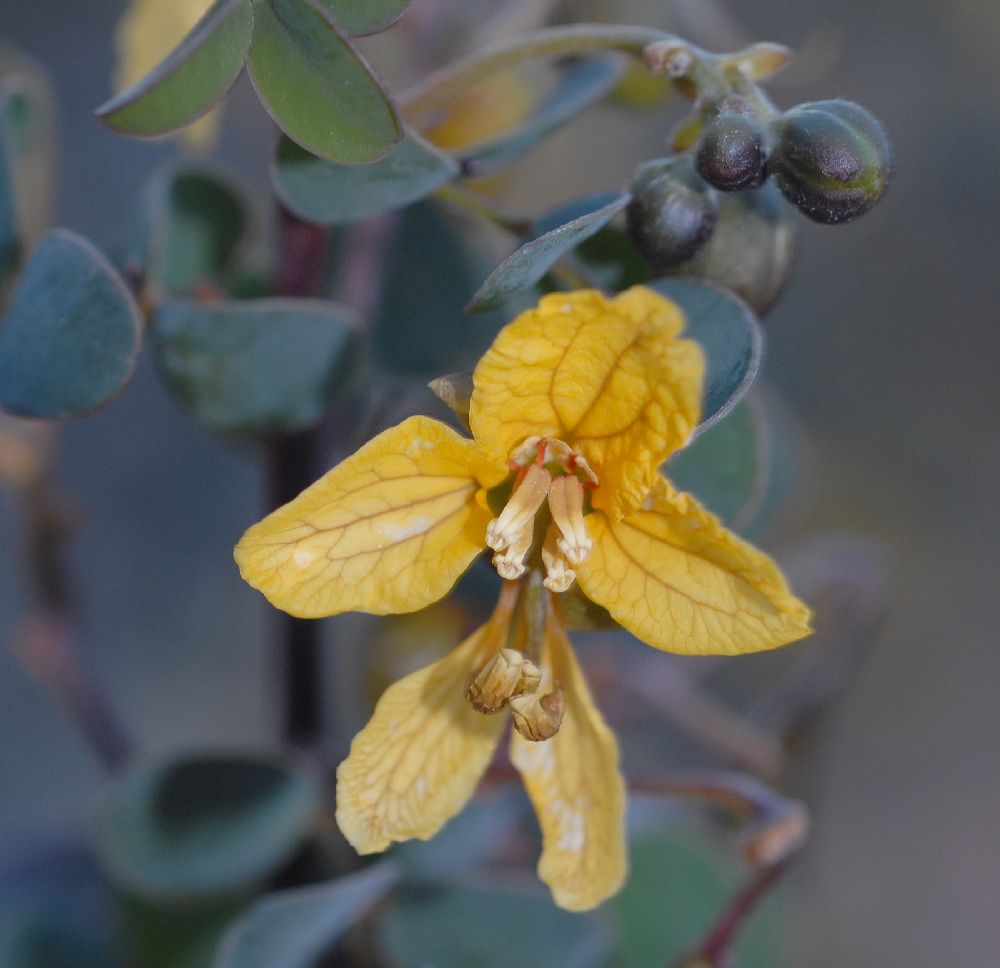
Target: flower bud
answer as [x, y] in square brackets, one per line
[507, 674]
[750, 250]
[831, 159]
[672, 212]
[537, 718]
[731, 154]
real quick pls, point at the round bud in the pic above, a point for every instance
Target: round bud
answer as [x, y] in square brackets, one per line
[750, 250]
[731, 155]
[831, 159]
[672, 212]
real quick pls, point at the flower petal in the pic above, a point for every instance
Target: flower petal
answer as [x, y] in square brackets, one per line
[419, 759]
[576, 788]
[608, 376]
[677, 579]
[388, 530]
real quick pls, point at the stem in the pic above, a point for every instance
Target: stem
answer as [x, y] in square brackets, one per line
[716, 949]
[291, 466]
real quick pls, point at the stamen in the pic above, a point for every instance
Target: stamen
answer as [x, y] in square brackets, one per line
[518, 517]
[510, 563]
[538, 719]
[558, 574]
[566, 505]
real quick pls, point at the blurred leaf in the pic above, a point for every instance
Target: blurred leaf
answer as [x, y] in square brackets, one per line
[490, 927]
[267, 365]
[71, 335]
[750, 250]
[54, 906]
[293, 929]
[190, 80]
[195, 220]
[730, 336]
[455, 391]
[612, 260]
[579, 88]
[316, 86]
[421, 329]
[321, 191]
[204, 826]
[362, 17]
[556, 234]
[181, 935]
[26, 158]
[725, 467]
[674, 892]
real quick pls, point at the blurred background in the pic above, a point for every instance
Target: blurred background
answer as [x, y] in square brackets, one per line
[884, 348]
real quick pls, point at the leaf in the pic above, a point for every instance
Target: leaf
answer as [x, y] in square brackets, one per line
[205, 825]
[189, 81]
[293, 929]
[260, 366]
[731, 337]
[195, 221]
[556, 234]
[328, 193]
[490, 927]
[362, 17]
[676, 888]
[316, 86]
[26, 158]
[421, 329]
[580, 87]
[71, 336]
[725, 467]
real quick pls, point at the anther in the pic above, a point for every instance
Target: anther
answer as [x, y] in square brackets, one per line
[558, 574]
[538, 718]
[518, 516]
[566, 505]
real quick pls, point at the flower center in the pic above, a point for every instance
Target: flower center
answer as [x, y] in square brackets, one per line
[544, 467]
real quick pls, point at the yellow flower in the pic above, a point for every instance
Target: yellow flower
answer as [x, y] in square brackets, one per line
[147, 32]
[575, 407]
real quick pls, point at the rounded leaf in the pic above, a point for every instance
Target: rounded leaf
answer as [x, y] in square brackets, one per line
[366, 17]
[204, 825]
[191, 79]
[316, 86]
[322, 191]
[69, 341]
[730, 336]
[267, 365]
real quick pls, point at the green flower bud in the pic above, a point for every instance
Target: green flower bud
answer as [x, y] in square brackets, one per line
[750, 250]
[831, 159]
[731, 154]
[672, 212]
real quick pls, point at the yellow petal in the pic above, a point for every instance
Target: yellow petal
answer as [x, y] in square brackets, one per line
[677, 579]
[576, 789]
[419, 759]
[388, 530]
[608, 376]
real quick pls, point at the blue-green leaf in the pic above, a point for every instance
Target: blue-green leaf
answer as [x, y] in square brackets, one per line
[731, 337]
[580, 87]
[260, 366]
[490, 927]
[191, 79]
[556, 234]
[204, 826]
[71, 336]
[362, 17]
[328, 193]
[195, 221]
[316, 86]
[293, 929]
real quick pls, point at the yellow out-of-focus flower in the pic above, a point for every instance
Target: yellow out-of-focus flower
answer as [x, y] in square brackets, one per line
[574, 409]
[148, 31]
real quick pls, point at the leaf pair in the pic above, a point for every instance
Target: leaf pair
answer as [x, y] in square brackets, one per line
[308, 74]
